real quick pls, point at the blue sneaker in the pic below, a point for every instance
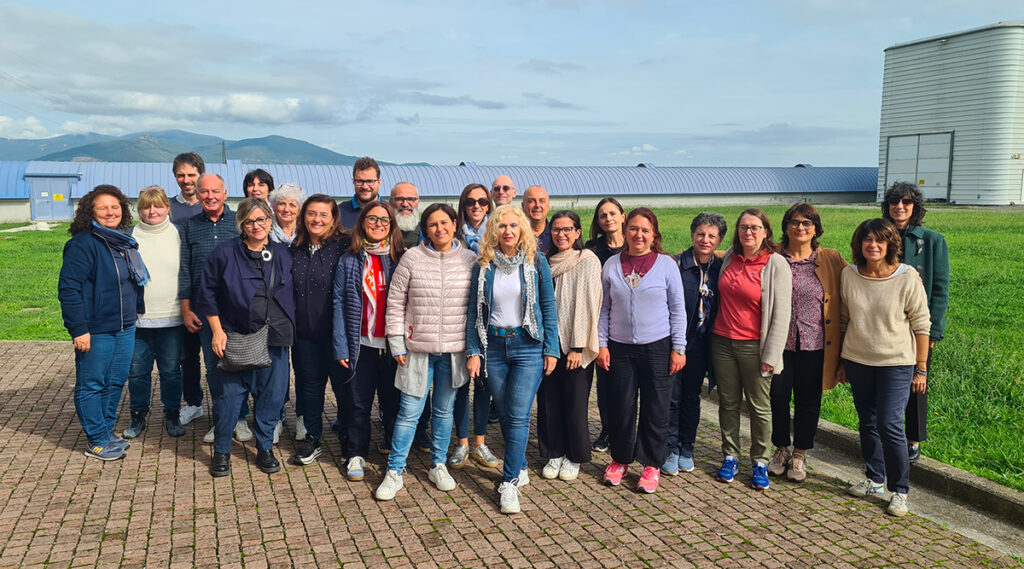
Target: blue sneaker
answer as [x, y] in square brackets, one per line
[760, 479]
[685, 463]
[117, 442]
[671, 466]
[730, 466]
[105, 452]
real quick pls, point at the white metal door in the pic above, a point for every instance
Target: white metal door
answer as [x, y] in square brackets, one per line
[921, 159]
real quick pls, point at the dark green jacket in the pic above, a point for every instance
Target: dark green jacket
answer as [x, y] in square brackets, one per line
[927, 252]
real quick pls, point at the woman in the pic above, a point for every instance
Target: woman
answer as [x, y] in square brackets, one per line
[886, 324]
[562, 427]
[100, 293]
[257, 184]
[927, 252]
[159, 333]
[606, 239]
[512, 332]
[474, 206]
[811, 356]
[698, 268]
[318, 245]
[641, 354]
[747, 339]
[286, 201]
[427, 305]
[247, 284]
[361, 284]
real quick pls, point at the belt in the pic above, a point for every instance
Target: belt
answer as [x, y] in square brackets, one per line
[505, 332]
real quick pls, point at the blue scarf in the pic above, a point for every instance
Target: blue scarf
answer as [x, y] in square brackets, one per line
[128, 247]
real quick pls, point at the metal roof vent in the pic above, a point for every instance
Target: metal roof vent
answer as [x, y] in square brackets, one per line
[803, 166]
[468, 164]
[645, 165]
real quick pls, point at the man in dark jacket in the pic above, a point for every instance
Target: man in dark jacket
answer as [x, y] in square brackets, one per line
[365, 185]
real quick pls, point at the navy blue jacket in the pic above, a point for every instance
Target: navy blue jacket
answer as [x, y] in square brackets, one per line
[690, 273]
[95, 296]
[348, 304]
[313, 279]
[230, 281]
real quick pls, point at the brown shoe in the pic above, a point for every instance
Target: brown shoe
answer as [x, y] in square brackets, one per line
[777, 467]
[798, 466]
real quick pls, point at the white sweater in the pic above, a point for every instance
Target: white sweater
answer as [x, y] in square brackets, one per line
[159, 246]
[881, 316]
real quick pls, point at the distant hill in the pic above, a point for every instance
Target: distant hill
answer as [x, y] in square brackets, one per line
[31, 149]
[275, 150]
[144, 148]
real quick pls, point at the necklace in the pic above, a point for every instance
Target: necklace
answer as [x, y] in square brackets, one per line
[635, 267]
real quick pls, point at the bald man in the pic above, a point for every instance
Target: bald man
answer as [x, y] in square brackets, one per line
[536, 206]
[503, 190]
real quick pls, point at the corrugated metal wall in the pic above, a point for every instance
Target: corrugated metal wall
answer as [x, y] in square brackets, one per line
[970, 84]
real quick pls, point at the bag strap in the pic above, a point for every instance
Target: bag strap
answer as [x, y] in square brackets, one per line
[270, 291]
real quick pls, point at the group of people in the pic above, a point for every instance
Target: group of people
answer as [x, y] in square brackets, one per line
[380, 298]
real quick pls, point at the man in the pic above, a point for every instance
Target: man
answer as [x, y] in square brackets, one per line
[366, 184]
[187, 168]
[405, 198]
[214, 225]
[503, 190]
[536, 206]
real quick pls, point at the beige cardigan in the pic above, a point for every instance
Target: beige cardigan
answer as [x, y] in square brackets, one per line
[578, 294]
[776, 307]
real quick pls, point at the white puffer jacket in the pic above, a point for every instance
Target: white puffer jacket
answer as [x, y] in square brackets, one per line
[429, 299]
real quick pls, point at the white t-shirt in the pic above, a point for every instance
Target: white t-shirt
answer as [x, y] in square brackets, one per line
[507, 300]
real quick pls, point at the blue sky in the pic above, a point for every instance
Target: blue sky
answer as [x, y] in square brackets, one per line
[556, 82]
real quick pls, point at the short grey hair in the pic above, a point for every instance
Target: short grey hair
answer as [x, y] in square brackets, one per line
[710, 218]
[287, 191]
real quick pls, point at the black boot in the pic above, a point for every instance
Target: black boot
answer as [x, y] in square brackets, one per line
[266, 462]
[138, 425]
[220, 465]
[173, 423]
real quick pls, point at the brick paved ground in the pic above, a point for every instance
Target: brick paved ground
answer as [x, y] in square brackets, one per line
[160, 508]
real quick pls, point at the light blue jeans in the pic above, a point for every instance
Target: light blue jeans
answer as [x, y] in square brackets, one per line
[515, 367]
[100, 375]
[439, 374]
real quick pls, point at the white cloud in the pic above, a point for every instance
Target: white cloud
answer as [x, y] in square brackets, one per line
[29, 127]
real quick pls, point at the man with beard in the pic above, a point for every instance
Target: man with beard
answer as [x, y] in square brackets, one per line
[365, 185]
[405, 198]
[503, 190]
[187, 168]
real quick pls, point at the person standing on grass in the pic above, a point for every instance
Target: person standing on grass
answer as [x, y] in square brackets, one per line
[885, 321]
[927, 252]
[100, 294]
[160, 330]
[811, 356]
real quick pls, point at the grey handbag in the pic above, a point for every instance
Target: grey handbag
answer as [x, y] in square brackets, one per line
[245, 352]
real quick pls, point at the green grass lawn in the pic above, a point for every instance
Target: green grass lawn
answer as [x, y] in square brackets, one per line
[977, 379]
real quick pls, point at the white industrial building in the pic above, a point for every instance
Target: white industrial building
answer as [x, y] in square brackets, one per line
[952, 117]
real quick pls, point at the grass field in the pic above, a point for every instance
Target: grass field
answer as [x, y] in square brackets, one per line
[977, 380]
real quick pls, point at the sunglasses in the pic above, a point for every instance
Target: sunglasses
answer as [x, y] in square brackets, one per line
[470, 202]
[497, 189]
[904, 201]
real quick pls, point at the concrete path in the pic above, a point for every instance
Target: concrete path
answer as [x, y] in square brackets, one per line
[160, 508]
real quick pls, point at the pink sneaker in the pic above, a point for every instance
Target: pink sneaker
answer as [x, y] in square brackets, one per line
[648, 480]
[614, 473]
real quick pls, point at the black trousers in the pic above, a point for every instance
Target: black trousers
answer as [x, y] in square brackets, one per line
[801, 380]
[639, 369]
[917, 412]
[603, 379]
[191, 385]
[375, 373]
[562, 405]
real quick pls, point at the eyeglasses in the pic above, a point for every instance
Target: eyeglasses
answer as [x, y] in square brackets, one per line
[755, 229]
[375, 220]
[502, 189]
[904, 201]
[403, 200]
[249, 223]
[565, 230]
[356, 182]
[806, 223]
[470, 202]
[310, 214]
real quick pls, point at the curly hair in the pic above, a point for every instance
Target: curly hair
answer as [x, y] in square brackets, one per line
[766, 244]
[489, 242]
[883, 230]
[901, 190]
[395, 235]
[84, 215]
[807, 210]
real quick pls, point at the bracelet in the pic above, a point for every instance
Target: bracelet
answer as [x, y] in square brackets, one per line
[920, 371]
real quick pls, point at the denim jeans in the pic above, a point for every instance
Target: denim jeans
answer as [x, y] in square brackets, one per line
[439, 373]
[100, 375]
[880, 394]
[314, 363]
[211, 360]
[163, 345]
[515, 367]
[481, 409]
[191, 386]
[268, 387]
[684, 411]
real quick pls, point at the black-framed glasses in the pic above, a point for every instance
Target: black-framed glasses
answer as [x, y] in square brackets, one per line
[805, 223]
[403, 200]
[470, 202]
[357, 182]
[249, 223]
[755, 229]
[378, 220]
[565, 230]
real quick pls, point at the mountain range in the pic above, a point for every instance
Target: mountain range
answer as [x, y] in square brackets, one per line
[163, 146]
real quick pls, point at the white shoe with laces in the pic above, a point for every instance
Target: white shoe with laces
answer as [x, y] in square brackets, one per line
[390, 486]
[898, 505]
[242, 431]
[190, 413]
[440, 477]
[569, 471]
[278, 429]
[524, 478]
[509, 497]
[552, 468]
[300, 429]
[209, 436]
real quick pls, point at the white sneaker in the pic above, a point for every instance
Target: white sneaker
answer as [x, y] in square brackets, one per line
[509, 498]
[242, 431]
[354, 469]
[898, 504]
[189, 413]
[569, 471]
[390, 486]
[440, 477]
[524, 478]
[300, 429]
[278, 429]
[208, 437]
[552, 468]
[866, 488]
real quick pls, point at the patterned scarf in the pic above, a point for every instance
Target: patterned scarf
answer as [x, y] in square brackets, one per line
[127, 247]
[371, 286]
[529, 293]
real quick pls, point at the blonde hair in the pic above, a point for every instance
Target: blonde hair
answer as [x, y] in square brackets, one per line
[152, 195]
[489, 242]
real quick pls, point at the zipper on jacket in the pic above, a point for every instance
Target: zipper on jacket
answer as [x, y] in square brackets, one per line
[120, 293]
[440, 306]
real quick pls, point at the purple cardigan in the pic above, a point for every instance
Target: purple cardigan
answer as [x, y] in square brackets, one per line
[651, 311]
